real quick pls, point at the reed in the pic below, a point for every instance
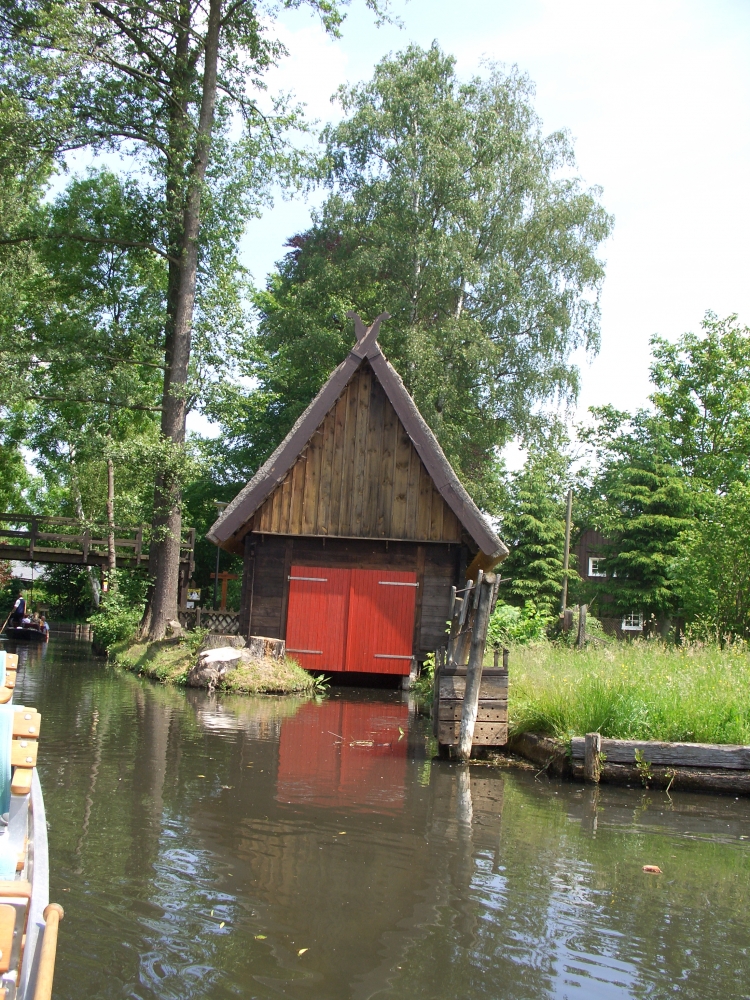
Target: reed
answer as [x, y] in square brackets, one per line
[634, 690]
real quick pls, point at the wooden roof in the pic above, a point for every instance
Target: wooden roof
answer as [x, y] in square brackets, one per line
[391, 480]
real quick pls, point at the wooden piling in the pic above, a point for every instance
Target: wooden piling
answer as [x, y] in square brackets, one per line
[474, 669]
[582, 613]
[592, 761]
[440, 656]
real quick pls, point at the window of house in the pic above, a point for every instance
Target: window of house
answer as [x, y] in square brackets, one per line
[596, 566]
[632, 622]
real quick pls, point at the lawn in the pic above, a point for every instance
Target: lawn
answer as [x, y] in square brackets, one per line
[635, 690]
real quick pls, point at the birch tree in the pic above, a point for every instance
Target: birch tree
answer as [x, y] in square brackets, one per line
[450, 208]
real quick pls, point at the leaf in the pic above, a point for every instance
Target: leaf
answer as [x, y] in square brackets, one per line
[260, 937]
[302, 951]
[221, 925]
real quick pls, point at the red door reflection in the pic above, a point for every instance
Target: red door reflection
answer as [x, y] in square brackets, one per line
[344, 754]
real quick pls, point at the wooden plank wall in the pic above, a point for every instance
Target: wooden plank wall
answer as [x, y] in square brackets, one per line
[266, 596]
[359, 477]
[491, 727]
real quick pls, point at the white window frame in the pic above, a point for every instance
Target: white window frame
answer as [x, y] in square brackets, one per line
[593, 560]
[627, 622]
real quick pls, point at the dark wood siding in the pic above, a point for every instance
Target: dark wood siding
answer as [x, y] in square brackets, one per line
[269, 587]
[436, 566]
[359, 477]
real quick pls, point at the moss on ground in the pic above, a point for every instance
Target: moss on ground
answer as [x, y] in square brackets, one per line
[169, 661]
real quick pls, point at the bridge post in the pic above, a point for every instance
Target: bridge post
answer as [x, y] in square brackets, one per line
[32, 539]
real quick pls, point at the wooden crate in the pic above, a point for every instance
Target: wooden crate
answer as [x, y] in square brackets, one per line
[491, 727]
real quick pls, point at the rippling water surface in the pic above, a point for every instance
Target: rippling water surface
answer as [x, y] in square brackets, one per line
[240, 847]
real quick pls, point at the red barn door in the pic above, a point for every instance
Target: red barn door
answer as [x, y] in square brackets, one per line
[317, 615]
[360, 619]
[381, 621]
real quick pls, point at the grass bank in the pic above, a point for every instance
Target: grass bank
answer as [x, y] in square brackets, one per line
[169, 662]
[638, 690]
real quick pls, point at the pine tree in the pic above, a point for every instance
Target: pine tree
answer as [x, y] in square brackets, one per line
[534, 529]
[644, 503]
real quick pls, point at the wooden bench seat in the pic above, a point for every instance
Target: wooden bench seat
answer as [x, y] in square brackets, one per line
[23, 755]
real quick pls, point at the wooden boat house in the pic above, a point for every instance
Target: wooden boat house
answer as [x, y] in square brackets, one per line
[355, 529]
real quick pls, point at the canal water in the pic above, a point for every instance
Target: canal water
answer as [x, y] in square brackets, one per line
[265, 848]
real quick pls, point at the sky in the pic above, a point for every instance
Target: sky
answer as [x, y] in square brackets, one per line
[655, 94]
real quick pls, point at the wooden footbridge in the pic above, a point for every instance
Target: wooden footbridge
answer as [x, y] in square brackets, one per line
[35, 538]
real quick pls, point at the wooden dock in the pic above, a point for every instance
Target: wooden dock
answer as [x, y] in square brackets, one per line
[470, 701]
[491, 726]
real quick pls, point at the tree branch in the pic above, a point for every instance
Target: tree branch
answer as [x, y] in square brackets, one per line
[105, 402]
[88, 238]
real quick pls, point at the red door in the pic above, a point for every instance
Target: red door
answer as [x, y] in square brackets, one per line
[360, 619]
[317, 616]
[381, 621]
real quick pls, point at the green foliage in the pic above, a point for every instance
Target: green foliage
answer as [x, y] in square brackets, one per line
[641, 690]
[66, 589]
[510, 625]
[422, 687]
[533, 527]
[450, 209]
[643, 503]
[713, 570]
[118, 618]
[702, 398]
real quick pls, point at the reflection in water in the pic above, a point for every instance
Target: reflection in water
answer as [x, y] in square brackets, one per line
[239, 847]
[345, 754]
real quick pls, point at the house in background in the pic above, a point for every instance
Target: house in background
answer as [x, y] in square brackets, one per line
[590, 550]
[355, 529]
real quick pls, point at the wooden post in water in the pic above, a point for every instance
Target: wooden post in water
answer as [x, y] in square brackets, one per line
[440, 655]
[474, 669]
[592, 762]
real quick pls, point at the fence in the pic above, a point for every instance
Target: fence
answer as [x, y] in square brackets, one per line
[221, 622]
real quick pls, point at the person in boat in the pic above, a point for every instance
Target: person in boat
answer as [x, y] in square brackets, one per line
[19, 610]
[44, 627]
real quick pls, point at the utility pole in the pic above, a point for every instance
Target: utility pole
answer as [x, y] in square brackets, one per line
[566, 556]
[220, 506]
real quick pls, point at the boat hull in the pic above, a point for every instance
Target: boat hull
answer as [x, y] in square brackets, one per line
[39, 892]
[22, 634]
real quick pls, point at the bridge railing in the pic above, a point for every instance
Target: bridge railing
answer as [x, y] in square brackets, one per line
[38, 538]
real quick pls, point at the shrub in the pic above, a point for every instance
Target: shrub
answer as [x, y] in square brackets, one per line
[518, 626]
[119, 618]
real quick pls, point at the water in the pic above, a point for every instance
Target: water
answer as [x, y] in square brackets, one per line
[266, 848]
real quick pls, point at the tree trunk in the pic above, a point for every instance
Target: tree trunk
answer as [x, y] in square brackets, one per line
[165, 546]
[111, 554]
[91, 570]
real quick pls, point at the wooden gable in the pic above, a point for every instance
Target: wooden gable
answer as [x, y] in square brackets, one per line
[360, 476]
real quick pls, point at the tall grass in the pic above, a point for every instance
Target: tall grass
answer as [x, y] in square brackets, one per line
[639, 690]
